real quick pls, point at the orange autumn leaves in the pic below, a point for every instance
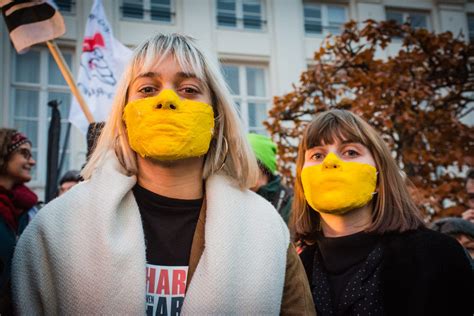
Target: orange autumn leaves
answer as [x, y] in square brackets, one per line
[415, 98]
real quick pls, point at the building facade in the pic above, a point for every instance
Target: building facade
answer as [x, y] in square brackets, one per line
[262, 45]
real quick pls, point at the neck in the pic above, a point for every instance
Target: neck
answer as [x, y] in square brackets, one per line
[263, 179]
[346, 224]
[181, 179]
[6, 182]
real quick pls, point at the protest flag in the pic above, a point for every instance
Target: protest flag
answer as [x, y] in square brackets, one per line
[31, 22]
[103, 60]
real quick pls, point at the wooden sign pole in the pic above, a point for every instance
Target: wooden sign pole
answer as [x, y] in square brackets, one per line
[66, 72]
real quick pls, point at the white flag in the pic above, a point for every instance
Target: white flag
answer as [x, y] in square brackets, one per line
[103, 60]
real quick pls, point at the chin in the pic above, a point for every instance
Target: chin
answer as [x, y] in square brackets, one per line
[24, 179]
[162, 163]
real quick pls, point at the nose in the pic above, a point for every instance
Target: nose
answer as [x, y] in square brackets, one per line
[167, 105]
[31, 161]
[331, 162]
[331, 165]
[167, 100]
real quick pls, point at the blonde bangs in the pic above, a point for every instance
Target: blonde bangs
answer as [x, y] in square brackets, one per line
[188, 57]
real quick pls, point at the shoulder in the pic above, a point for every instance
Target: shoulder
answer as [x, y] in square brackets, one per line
[425, 261]
[82, 206]
[49, 220]
[307, 258]
[425, 250]
[224, 191]
[235, 208]
[58, 210]
[424, 241]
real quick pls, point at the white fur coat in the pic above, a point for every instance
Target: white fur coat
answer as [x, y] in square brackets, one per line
[84, 254]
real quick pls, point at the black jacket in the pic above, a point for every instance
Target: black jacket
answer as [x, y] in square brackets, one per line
[423, 273]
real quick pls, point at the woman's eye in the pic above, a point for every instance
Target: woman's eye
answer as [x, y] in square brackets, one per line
[317, 156]
[351, 153]
[147, 90]
[189, 90]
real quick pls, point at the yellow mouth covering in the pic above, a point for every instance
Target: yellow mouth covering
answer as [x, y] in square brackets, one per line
[336, 186]
[164, 127]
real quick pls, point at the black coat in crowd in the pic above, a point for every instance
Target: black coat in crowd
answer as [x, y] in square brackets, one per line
[420, 272]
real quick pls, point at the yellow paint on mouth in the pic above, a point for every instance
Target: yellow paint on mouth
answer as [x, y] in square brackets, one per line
[336, 186]
[165, 127]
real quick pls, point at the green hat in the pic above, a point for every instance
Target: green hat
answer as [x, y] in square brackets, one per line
[265, 150]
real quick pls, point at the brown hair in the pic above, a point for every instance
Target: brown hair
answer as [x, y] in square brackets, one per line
[5, 140]
[394, 209]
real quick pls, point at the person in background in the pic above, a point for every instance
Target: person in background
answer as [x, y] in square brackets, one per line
[16, 200]
[458, 228]
[367, 251]
[68, 180]
[269, 184]
[469, 213]
[164, 222]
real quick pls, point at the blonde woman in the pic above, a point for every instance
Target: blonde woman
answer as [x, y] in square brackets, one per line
[163, 223]
[366, 251]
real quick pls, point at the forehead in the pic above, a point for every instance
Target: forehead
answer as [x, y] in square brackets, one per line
[19, 151]
[329, 129]
[331, 137]
[68, 183]
[168, 63]
[25, 146]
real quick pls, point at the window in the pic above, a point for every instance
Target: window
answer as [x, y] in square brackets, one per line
[248, 88]
[148, 10]
[470, 25]
[323, 18]
[35, 81]
[66, 6]
[242, 14]
[417, 19]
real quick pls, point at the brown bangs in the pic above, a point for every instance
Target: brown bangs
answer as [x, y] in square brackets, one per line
[329, 128]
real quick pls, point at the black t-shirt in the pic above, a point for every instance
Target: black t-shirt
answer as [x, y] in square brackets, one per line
[169, 226]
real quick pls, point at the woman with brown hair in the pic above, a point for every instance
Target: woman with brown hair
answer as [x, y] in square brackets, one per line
[16, 199]
[365, 248]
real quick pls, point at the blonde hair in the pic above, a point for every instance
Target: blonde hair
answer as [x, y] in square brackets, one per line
[229, 153]
[393, 207]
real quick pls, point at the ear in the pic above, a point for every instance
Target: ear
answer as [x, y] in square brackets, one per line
[377, 185]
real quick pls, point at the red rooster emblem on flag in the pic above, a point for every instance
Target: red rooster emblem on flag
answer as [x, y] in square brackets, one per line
[94, 64]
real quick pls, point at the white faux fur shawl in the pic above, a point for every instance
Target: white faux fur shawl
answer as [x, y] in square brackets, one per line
[84, 254]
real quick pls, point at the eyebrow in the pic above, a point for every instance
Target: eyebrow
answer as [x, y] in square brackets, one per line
[350, 142]
[345, 142]
[152, 74]
[186, 75]
[149, 74]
